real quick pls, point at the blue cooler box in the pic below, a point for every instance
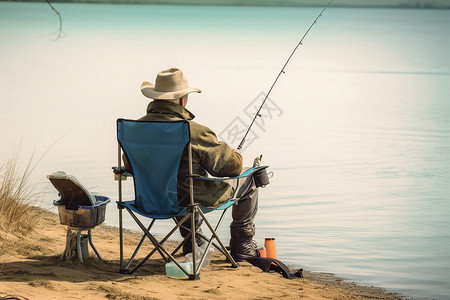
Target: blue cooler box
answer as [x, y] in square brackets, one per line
[77, 207]
[83, 216]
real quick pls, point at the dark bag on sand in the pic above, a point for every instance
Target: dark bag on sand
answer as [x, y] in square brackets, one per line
[269, 264]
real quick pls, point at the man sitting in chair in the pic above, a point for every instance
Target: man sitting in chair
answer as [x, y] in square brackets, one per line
[170, 94]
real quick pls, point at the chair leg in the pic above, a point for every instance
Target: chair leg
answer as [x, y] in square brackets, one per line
[227, 254]
[189, 235]
[210, 241]
[158, 246]
[213, 243]
[192, 210]
[201, 235]
[155, 249]
[181, 244]
[196, 261]
[139, 246]
[121, 238]
[148, 255]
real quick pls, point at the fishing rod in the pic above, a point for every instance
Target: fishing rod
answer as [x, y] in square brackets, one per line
[279, 74]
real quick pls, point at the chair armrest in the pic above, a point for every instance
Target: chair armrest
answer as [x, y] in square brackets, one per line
[244, 174]
[121, 171]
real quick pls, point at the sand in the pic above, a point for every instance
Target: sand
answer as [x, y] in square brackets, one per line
[31, 269]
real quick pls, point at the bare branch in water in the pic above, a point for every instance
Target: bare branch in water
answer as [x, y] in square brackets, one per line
[60, 33]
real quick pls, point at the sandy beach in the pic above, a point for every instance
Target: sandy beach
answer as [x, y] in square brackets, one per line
[30, 269]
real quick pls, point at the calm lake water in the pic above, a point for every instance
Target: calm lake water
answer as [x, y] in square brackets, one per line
[357, 132]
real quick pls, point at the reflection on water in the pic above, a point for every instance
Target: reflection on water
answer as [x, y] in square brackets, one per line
[360, 154]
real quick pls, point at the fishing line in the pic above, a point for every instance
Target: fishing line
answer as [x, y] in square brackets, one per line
[279, 74]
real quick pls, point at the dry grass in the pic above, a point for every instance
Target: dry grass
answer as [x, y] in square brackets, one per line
[18, 215]
[17, 198]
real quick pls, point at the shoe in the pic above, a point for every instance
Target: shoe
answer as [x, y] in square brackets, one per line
[241, 251]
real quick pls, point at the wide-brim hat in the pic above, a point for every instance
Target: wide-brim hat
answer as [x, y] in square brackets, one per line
[170, 84]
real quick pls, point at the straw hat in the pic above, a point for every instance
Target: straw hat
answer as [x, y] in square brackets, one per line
[169, 84]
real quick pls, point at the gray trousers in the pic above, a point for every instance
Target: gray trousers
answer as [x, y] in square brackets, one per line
[242, 228]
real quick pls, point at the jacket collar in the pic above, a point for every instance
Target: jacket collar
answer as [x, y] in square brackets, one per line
[165, 107]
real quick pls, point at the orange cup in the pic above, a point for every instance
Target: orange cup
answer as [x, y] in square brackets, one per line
[262, 252]
[271, 250]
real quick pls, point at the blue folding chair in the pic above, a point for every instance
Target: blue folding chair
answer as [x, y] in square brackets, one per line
[154, 151]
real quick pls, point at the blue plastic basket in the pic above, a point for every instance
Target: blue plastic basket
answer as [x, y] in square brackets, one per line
[83, 216]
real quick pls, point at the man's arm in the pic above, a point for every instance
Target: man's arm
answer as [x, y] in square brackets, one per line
[217, 158]
[233, 166]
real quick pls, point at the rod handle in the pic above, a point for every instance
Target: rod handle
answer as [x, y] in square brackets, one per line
[241, 144]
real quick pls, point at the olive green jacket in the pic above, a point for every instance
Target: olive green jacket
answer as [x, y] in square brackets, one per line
[209, 156]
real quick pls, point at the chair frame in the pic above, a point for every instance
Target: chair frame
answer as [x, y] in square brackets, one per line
[189, 213]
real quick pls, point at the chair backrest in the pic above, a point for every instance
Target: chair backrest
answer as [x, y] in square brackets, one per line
[154, 151]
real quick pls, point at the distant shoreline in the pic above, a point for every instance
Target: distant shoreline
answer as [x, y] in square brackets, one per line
[255, 3]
